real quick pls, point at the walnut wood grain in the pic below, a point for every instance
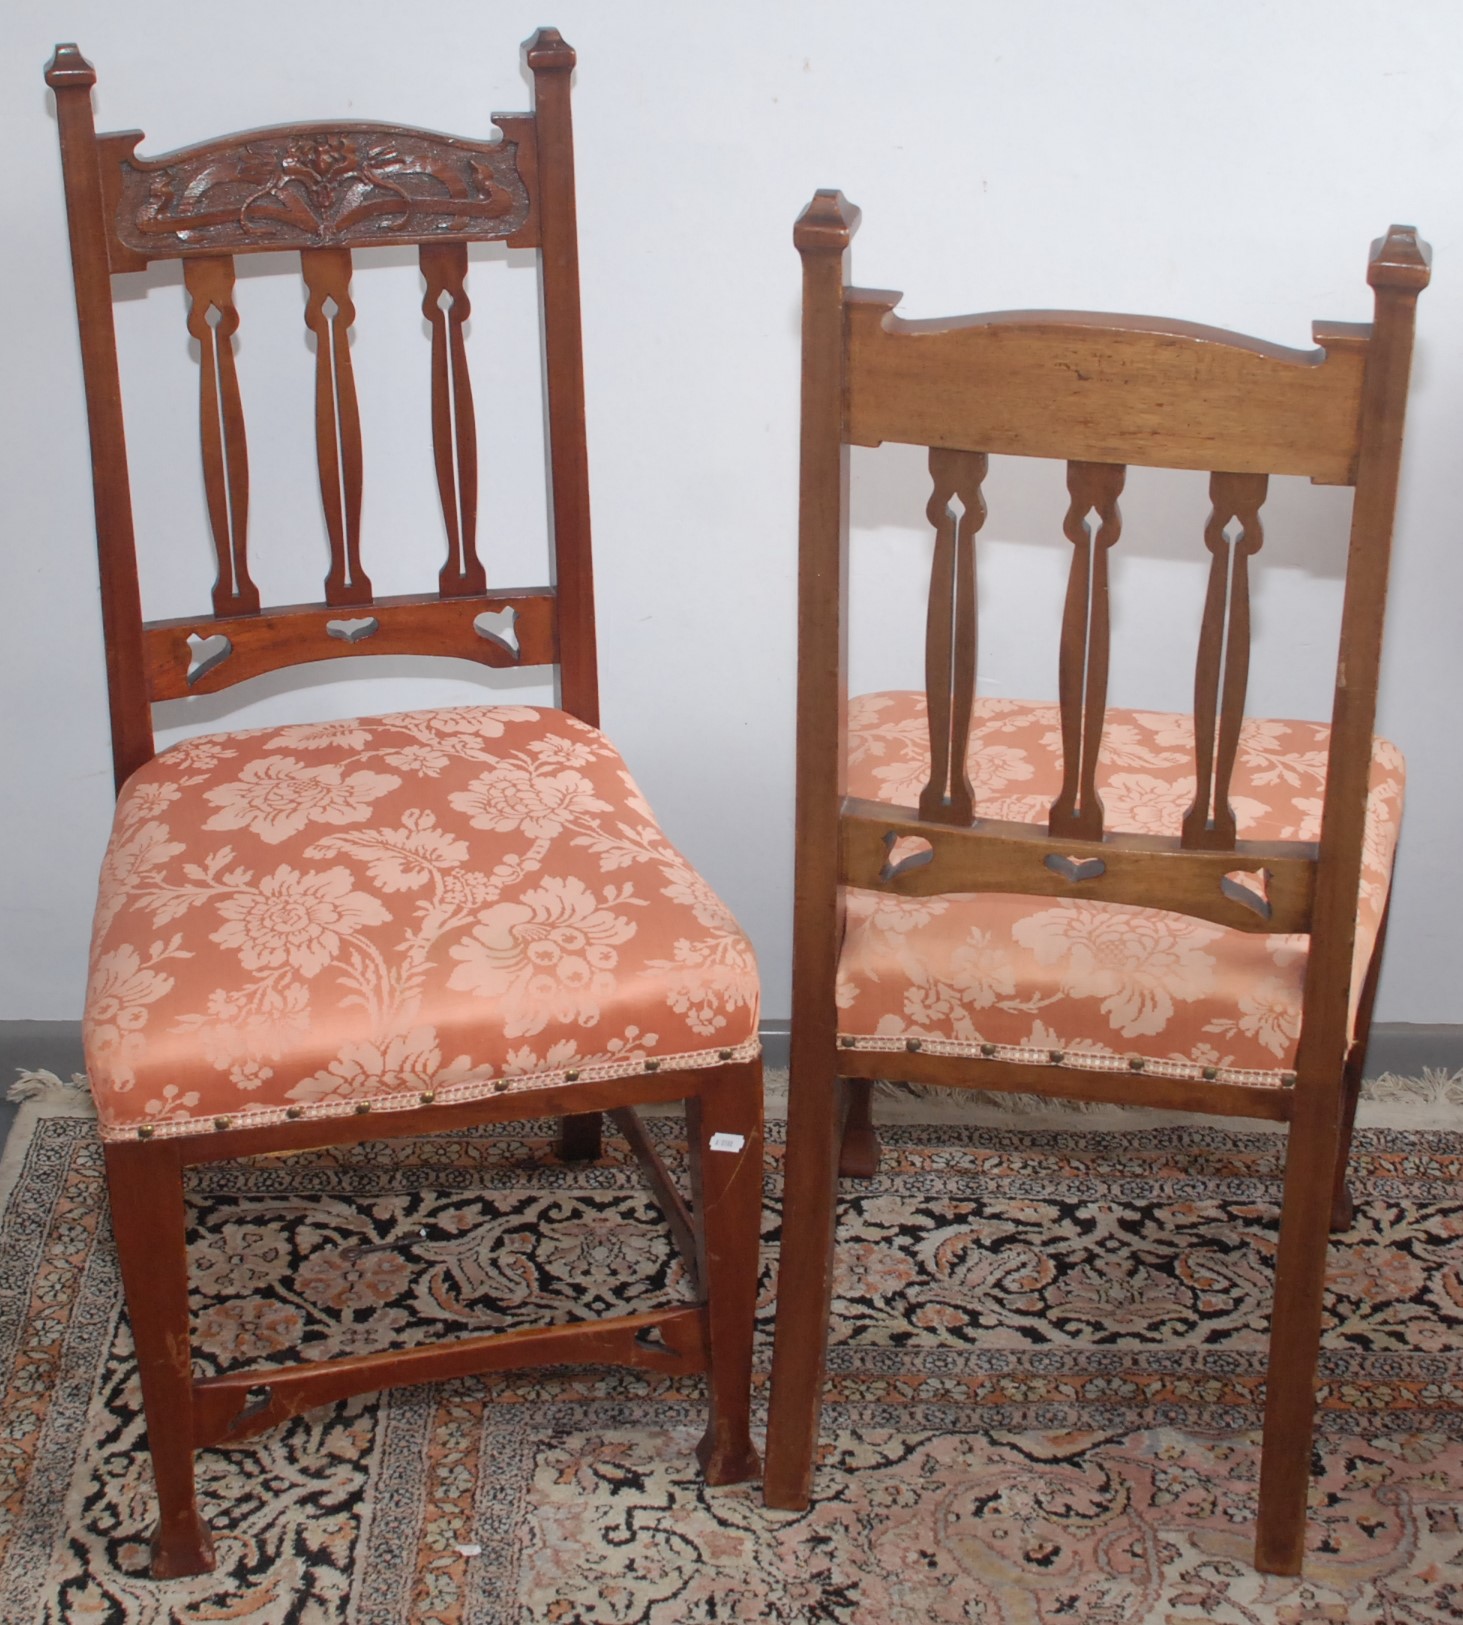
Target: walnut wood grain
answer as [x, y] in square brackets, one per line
[1100, 389]
[145, 1195]
[1399, 269]
[213, 320]
[71, 77]
[1233, 535]
[330, 315]
[950, 631]
[727, 1194]
[296, 633]
[454, 425]
[815, 1100]
[551, 61]
[1147, 871]
[670, 1341]
[1094, 489]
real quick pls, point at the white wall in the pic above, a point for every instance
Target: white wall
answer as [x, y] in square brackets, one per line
[1224, 160]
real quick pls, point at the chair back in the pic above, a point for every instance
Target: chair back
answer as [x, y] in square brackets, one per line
[325, 191]
[1098, 392]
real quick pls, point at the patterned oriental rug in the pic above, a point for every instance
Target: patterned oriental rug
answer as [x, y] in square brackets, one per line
[1046, 1369]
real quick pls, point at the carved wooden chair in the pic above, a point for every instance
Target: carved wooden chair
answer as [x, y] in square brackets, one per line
[315, 935]
[1072, 900]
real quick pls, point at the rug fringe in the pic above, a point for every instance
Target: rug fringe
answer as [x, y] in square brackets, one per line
[39, 1084]
[1436, 1087]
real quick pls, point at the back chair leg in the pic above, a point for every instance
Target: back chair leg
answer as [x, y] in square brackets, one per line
[804, 1279]
[1343, 1210]
[1295, 1330]
[859, 1158]
[724, 1130]
[145, 1184]
[581, 1138]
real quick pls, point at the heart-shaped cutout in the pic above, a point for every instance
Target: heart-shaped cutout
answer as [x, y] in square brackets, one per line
[1250, 888]
[906, 852]
[499, 626]
[1074, 869]
[353, 631]
[206, 653]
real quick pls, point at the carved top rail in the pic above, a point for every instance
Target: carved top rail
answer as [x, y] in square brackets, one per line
[1103, 389]
[318, 186]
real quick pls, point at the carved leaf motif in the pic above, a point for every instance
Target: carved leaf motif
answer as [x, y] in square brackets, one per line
[321, 187]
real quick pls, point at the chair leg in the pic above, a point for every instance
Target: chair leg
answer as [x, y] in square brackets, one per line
[145, 1186]
[859, 1156]
[1343, 1210]
[804, 1280]
[1295, 1331]
[580, 1137]
[724, 1131]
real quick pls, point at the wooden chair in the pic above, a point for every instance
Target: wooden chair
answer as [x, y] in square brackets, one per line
[974, 935]
[406, 924]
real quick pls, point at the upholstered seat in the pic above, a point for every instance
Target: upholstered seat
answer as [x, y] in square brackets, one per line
[1097, 983]
[313, 920]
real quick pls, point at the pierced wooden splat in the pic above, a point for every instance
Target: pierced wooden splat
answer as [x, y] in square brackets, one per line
[213, 320]
[329, 314]
[957, 510]
[1082, 673]
[1221, 674]
[454, 427]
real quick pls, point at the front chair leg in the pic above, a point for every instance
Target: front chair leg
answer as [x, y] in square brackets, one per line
[580, 1137]
[804, 1279]
[724, 1132]
[859, 1157]
[145, 1186]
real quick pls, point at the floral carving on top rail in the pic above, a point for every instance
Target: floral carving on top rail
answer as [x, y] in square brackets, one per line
[321, 187]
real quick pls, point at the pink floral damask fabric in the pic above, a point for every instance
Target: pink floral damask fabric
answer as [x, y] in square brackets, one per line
[1097, 982]
[299, 921]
